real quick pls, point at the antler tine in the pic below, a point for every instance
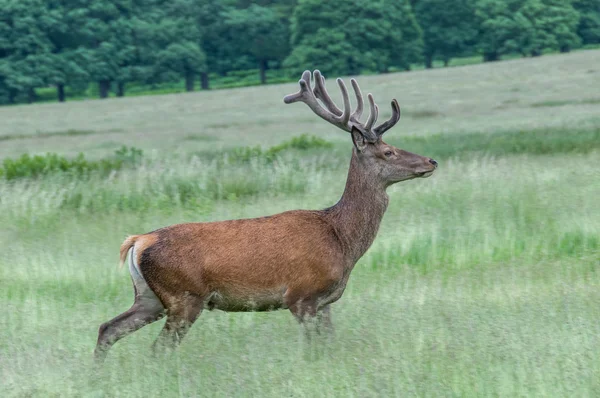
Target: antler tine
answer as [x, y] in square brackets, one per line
[374, 113]
[388, 124]
[359, 102]
[342, 119]
[346, 115]
[321, 93]
[307, 96]
[304, 86]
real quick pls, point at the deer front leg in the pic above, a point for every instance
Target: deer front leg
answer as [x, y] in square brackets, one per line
[303, 307]
[313, 319]
[324, 320]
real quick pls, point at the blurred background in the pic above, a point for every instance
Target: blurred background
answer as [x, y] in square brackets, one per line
[57, 50]
[121, 117]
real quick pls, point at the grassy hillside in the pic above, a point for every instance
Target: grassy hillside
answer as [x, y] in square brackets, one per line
[483, 280]
[550, 91]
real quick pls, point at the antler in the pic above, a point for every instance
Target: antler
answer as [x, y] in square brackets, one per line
[333, 114]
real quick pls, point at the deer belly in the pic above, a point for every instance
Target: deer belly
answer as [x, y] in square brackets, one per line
[268, 300]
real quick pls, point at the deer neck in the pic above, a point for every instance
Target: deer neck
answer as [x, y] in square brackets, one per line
[357, 215]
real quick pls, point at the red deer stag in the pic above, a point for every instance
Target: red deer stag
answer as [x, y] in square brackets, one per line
[298, 260]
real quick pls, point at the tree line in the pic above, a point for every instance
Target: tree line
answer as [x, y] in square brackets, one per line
[113, 43]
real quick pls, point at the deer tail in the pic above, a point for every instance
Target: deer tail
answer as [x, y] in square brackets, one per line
[127, 244]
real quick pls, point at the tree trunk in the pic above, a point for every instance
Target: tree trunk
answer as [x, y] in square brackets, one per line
[262, 64]
[189, 81]
[60, 90]
[103, 88]
[491, 57]
[204, 83]
[31, 95]
[120, 89]
[12, 94]
[429, 61]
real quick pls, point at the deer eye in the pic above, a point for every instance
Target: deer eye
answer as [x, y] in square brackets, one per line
[388, 153]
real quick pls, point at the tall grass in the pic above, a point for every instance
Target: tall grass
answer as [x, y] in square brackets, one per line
[483, 281]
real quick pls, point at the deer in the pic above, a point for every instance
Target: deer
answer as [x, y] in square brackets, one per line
[299, 260]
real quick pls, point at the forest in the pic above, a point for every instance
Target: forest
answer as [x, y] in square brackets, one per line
[112, 47]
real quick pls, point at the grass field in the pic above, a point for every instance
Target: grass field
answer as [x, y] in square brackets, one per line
[484, 279]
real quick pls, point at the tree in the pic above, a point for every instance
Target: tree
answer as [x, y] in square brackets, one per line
[25, 49]
[329, 50]
[500, 27]
[405, 33]
[107, 40]
[216, 41]
[183, 58]
[589, 24]
[147, 42]
[551, 24]
[261, 33]
[65, 40]
[372, 35]
[526, 26]
[178, 37]
[448, 31]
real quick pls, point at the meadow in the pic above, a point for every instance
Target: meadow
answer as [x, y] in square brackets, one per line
[484, 279]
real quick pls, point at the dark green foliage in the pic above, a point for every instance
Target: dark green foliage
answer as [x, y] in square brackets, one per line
[346, 37]
[57, 49]
[551, 24]
[178, 43]
[41, 165]
[108, 48]
[500, 27]
[589, 22]
[526, 26]
[329, 50]
[216, 41]
[448, 31]
[260, 33]
[26, 51]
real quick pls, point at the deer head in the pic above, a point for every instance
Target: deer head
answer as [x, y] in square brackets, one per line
[381, 161]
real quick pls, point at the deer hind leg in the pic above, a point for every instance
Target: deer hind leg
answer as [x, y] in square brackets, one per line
[182, 312]
[146, 309]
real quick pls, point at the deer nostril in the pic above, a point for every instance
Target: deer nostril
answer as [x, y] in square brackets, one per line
[433, 162]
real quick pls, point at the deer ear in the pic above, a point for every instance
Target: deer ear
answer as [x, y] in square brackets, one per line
[359, 140]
